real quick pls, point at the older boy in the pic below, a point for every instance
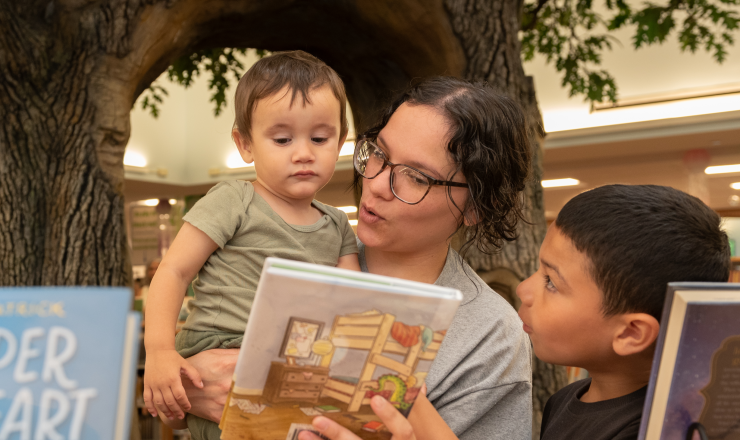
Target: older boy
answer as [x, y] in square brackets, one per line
[595, 303]
[596, 300]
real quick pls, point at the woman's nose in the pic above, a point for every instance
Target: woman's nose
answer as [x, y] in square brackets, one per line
[380, 185]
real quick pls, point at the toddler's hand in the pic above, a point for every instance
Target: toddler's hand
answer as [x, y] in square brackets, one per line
[163, 389]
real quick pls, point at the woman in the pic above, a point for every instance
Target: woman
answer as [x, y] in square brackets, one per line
[446, 154]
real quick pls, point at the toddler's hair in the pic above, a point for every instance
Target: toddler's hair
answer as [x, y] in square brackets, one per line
[300, 71]
[639, 238]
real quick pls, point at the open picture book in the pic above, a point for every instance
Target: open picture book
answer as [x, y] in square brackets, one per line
[695, 379]
[324, 341]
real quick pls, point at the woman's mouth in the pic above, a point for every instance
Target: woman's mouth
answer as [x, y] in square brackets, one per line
[367, 215]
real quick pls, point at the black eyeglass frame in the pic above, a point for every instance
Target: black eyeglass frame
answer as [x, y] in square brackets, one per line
[386, 163]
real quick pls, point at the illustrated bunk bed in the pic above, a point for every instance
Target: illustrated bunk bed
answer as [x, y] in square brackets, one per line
[379, 334]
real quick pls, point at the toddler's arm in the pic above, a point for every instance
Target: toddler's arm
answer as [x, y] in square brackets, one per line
[163, 389]
[349, 261]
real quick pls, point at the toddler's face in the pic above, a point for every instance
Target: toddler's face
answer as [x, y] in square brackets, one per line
[561, 307]
[294, 147]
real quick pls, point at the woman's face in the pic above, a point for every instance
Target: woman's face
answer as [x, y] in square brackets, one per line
[416, 136]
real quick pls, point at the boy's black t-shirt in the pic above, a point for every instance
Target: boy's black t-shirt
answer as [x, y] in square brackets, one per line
[566, 417]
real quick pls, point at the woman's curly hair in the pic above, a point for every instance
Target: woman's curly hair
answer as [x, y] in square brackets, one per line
[488, 142]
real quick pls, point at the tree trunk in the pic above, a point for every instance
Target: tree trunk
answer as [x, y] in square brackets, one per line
[488, 33]
[62, 214]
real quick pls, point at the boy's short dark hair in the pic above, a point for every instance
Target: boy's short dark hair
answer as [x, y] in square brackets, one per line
[300, 71]
[641, 237]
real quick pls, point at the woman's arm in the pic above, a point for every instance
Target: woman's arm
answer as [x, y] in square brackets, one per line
[163, 389]
[216, 368]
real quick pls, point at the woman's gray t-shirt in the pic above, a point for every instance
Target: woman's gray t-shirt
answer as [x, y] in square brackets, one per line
[481, 380]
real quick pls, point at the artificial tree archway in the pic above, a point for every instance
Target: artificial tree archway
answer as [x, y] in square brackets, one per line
[72, 69]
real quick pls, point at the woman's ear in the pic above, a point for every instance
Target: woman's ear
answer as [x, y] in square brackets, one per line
[635, 333]
[243, 144]
[470, 216]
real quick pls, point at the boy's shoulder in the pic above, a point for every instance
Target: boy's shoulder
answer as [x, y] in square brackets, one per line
[566, 417]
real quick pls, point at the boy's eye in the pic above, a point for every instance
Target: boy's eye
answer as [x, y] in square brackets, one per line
[318, 140]
[548, 284]
[281, 141]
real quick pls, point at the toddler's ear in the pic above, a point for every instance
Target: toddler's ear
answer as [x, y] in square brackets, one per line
[243, 145]
[636, 332]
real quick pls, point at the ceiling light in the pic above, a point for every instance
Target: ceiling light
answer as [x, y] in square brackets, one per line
[556, 183]
[348, 149]
[235, 161]
[735, 185]
[353, 222]
[722, 169]
[151, 202]
[173, 201]
[134, 159]
[348, 209]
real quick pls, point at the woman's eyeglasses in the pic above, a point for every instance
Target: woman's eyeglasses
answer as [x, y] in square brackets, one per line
[408, 184]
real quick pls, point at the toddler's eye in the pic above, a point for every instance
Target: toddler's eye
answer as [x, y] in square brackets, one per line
[318, 140]
[281, 141]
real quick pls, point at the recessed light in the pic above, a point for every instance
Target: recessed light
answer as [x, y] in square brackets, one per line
[735, 185]
[557, 183]
[347, 209]
[134, 159]
[173, 201]
[151, 202]
[723, 169]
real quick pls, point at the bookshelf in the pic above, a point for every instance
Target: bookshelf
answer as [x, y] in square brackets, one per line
[735, 270]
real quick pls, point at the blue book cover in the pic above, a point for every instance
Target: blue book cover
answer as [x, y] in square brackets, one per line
[67, 362]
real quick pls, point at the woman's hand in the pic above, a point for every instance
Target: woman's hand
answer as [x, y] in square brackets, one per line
[391, 418]
[216, 368]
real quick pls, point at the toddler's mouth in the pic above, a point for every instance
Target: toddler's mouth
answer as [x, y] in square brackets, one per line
[304, 173]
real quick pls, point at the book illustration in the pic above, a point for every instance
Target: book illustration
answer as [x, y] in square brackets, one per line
[721, 413]
[297, 428]
[315, 346]
[373, 426]
[311, 412]
[246, 406]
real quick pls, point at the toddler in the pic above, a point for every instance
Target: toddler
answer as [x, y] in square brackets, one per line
[291, 122]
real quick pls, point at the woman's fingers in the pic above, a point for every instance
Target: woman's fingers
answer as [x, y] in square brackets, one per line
[329, 429]
[396, 423]
[149, 402]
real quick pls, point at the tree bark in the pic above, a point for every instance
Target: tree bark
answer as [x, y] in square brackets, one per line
[488, 33]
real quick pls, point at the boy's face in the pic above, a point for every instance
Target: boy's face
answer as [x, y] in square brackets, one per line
[294, 147]
[561, 307]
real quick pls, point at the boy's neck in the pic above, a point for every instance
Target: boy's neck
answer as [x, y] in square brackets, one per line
[294, 212]
[619, 379]
[424, 266]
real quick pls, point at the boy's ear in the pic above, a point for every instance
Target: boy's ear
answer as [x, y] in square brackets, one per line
[636, 332]
[243, 145]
